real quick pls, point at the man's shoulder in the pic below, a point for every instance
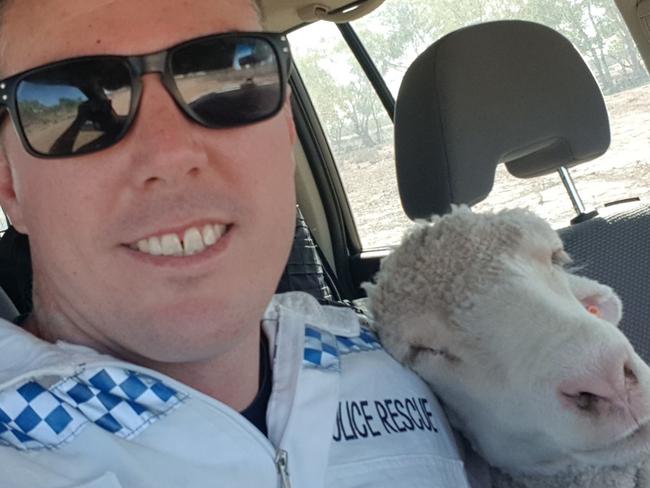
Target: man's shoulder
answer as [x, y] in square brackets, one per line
[388, 420]
[332, 338]
[22, 354]
[332, 318]
[340, 338]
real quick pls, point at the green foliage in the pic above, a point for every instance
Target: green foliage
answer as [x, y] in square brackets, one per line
[345, 101]
[595, 27]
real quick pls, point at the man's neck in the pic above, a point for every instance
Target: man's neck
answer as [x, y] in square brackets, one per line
[232, 377]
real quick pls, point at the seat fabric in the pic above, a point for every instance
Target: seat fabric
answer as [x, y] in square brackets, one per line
[7, 309]
[614, 250]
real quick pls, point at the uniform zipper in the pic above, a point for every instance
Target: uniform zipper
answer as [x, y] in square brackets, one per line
[282, 463]
[281, 459]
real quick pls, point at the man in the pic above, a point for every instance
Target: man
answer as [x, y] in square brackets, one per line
[159, 225]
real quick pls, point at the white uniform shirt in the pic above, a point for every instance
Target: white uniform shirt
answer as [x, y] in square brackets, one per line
[342, 413]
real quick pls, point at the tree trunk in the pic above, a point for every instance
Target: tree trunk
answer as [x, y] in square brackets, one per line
[607, 76]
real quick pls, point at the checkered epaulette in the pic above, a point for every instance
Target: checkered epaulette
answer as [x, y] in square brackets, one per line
[324, 350]
[119, 401]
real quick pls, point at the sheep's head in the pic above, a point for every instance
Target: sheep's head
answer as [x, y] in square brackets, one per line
[526, 357]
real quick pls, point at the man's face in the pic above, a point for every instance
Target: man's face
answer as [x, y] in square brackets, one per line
[84, 214]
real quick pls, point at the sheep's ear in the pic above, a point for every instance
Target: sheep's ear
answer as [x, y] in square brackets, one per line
[598, 299]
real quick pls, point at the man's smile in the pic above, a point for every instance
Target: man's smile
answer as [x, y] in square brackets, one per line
[187, 242]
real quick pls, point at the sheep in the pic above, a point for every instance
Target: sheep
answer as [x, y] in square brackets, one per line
[525, 356]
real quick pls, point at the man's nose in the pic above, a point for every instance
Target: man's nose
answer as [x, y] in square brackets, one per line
[166, 145]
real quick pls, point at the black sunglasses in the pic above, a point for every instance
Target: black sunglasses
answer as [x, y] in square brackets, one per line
[86, 104]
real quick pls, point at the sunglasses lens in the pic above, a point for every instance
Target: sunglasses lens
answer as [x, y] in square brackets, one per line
[76, 107]
[228, 81]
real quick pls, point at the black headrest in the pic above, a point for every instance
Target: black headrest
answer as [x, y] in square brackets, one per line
[509, 92]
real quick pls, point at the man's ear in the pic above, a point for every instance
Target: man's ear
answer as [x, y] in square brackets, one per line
[288, 113]
[8, 199]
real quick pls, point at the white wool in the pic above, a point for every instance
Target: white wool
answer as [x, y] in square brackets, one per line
[525, 356]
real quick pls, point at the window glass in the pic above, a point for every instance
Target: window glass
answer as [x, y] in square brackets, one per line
[398, 31]
[358, 129]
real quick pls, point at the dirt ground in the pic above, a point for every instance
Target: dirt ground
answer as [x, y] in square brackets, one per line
[622, 172]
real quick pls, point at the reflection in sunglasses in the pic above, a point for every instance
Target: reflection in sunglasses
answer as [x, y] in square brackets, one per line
[194, 86]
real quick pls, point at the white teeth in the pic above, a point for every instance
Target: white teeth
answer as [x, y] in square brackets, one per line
[209, 237]
[155, 248]
[171, 245]
[219, 230]
[194, 241]
[143, 246]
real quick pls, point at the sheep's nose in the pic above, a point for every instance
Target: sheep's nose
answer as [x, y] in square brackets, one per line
[610, 382]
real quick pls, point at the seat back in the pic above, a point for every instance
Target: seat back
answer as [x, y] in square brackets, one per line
[16, 269]
[516, 93]
[614, 249]
[306, 269]
[7, 309]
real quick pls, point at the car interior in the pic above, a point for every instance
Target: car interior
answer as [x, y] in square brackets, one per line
[509, 93]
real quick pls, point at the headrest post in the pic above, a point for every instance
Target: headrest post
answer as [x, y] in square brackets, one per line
[571, 189]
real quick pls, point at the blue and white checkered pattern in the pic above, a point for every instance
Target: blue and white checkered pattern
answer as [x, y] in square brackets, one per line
[366, 341]
[31, 417]
[321, 350]
[119, 401]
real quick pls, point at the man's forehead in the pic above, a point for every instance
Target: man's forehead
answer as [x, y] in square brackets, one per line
[36, 32]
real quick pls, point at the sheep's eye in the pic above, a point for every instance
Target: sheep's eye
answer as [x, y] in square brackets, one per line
[416, 350]
[587, 401]
[560, 258]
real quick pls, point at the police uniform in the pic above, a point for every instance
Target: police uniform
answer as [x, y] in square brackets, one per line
[342, 413]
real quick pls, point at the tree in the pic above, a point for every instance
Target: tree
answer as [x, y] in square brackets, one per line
[395, 34]
[323, 90]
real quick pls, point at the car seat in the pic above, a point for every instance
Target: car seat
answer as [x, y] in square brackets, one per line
[7, 309]
[516, 93]
[15, 269]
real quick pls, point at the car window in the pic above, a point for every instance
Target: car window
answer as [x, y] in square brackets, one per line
[358, 129]
[398, 31]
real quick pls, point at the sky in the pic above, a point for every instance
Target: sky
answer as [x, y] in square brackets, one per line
[50, 96]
